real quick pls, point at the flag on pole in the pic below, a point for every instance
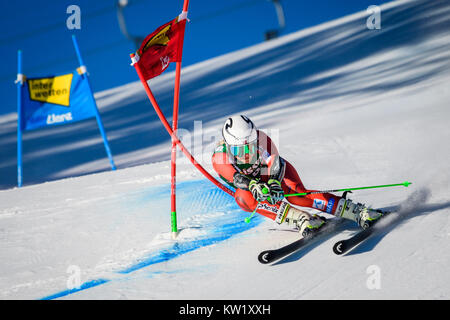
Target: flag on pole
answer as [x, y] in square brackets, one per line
[161, 47]
[55, 100]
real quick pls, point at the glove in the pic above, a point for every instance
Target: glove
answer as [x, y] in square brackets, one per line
[259, 190]
[276, 192]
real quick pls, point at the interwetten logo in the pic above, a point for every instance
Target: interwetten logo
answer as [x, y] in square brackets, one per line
[54, 90]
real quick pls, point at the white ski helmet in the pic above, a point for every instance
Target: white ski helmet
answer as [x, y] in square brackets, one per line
[239, 130]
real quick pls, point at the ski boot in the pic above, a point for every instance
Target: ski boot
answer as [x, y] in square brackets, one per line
[363, 216]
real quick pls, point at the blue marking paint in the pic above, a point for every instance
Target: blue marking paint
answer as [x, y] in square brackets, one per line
[180, 248]
[84, 286]
[190, 200]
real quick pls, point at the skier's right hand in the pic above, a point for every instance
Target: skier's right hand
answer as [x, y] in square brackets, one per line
[259, 190]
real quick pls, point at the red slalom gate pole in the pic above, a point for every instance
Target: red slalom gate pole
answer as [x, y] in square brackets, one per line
[176, 102]
[173, 135]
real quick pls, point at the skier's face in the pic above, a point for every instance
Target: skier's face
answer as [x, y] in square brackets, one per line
[245, 153]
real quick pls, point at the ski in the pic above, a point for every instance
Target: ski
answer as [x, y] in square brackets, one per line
[269, 256]
[346, 245]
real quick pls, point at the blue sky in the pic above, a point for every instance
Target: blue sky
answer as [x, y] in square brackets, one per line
[39, 29]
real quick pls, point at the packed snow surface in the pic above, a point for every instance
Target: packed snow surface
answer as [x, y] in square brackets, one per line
[347, 106]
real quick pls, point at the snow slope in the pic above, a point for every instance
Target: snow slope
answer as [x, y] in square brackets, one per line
[348, 106]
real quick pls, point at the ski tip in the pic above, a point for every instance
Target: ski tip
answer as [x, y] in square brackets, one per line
[407, 184]
[339, 248]
[264, 257]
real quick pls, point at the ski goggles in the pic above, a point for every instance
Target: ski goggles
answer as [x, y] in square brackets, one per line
[242, 150]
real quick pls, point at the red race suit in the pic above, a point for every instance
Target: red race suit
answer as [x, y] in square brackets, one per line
[267, 164]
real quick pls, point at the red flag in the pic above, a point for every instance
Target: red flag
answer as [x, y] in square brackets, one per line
[161, 47]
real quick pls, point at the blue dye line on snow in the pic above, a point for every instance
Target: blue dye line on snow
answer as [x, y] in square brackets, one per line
[84, 286]
[214, 235]
[180, 248]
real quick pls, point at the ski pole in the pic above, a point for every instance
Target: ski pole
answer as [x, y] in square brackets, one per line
[405, 184]
[265, 191]
[248, 219]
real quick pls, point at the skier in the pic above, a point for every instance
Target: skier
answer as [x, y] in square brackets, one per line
[247, 160]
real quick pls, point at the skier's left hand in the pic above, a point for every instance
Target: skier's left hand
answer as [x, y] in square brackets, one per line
[259, 190]
[276, 192]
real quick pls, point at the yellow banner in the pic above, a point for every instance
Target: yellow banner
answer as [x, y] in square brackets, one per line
[52, 90]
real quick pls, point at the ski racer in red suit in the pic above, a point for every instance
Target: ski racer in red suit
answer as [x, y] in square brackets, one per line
[248, 160]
